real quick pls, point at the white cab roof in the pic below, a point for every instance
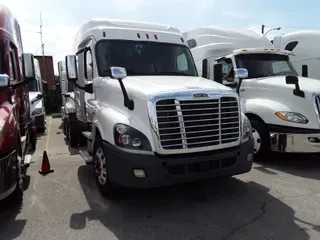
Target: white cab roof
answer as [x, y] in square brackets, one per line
[209, 41]
[127, 29]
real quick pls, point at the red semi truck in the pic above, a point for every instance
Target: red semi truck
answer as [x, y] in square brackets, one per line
[17, 135]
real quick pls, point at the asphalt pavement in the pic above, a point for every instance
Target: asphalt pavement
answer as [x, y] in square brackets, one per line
[278, 200]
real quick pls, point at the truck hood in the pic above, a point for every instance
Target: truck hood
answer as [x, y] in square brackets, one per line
[309, 85]
[143, 86]
[33, 95]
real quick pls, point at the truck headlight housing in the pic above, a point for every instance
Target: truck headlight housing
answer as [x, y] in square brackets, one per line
[70, 110]
[37, 111]
[292, 117]
[246, 128]
[130, 138]
[2, 124]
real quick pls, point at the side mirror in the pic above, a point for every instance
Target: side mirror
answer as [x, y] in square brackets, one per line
[241, 73]
[71, 67]
[217, 70]
[65, 94]
[292, 80]
[304, 70]
[118, 72]
[40, 95]
[205, 68]
[88, 88]
[28, 66]
[4, 81]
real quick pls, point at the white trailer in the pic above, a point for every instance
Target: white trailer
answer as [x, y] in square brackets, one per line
[305, 46]
[152, 121]
[282, 107]
[68, 109]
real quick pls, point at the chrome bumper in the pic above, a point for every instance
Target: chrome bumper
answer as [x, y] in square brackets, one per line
[295, 143]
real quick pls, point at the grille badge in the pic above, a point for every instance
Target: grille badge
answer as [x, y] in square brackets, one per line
[200, 95]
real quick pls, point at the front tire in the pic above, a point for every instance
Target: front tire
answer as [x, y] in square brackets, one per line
[73, 136]
[261, 139]
[100, 169]
[16, 197]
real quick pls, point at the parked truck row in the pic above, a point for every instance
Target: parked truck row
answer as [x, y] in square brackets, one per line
[159, 107]
[17, 131]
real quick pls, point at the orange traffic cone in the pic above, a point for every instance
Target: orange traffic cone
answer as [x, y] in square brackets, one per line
[45, 168]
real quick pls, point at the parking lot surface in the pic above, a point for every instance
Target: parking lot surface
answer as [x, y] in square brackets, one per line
[277, 200]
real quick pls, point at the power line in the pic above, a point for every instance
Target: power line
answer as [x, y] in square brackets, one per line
[297, 27]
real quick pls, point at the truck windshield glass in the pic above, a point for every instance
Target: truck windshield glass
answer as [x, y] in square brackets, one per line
[265, 65]
[145, 58]
[33, 86]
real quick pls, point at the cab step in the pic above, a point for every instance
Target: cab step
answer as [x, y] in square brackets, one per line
[87, 134]
[86, 157]
[27, 160]
[23, 139]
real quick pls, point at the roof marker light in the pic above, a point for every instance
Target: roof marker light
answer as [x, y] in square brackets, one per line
[182, 40]
[147, 35]
[266, 49]
[156, 37]
[271, 49]
[104, 34]
[244, 50]
[138, 34]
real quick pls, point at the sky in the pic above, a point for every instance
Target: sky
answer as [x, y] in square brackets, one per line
[61, 19]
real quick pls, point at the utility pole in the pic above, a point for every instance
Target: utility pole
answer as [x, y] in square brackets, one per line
[42, 46]
[262, 29]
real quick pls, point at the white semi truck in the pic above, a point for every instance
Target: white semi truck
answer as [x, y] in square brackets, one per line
[37, 109]
[152, 121]
[283, 108]
[68, 109]
[305, 46]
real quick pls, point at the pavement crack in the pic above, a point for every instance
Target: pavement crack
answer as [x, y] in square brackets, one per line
[255, 219]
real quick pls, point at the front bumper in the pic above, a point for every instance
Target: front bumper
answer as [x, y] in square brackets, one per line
[170, 170]
[8, 174]
[294, 140]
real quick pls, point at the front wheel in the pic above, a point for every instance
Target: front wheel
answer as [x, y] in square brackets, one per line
[261, 140]
[16, 197]
[73, 136]
[100, 169]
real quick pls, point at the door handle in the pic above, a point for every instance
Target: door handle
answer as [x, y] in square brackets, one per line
[242, 90]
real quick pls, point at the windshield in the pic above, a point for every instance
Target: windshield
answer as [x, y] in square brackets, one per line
[265, 65]
[145, 58]
[33, 86]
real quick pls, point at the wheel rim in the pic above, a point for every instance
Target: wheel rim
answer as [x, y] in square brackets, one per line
[100, 166]
[257, 140]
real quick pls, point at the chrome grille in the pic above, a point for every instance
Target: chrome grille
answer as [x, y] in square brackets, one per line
[197, 123]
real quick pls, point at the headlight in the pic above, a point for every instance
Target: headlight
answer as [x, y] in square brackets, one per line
[70, 110]
[130, 138]
[1, 132]
[246, 129]
[37, 111]
[292, 117]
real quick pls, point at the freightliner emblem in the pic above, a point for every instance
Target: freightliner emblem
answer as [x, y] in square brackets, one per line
[200, 95]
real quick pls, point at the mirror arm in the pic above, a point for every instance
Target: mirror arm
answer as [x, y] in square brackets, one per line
[239, 85]
[127, 101]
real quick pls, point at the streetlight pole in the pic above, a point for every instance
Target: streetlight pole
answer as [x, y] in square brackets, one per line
[42, 46]
[272, 29]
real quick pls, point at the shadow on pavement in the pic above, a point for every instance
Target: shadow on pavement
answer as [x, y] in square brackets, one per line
[215, 209]
[302, 165]
[10, 227]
